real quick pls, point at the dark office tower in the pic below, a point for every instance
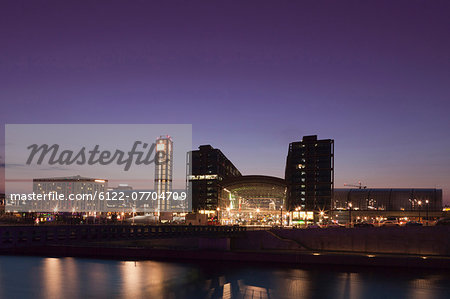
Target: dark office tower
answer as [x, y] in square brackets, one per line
[310, 174]
[163, 171]
[209, 167]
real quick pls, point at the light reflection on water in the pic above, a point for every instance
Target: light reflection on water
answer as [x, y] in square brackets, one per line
[36, 277]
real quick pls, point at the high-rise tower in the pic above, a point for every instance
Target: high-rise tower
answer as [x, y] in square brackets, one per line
[310, 174]
[209, 167]
[163, 171]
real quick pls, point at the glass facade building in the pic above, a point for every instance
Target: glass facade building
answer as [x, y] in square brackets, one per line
[253, 200]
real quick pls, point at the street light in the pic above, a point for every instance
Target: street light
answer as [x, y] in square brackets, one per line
[281, 216]
[427, 202]
[55, 210]
[420, 208]
[350, 213]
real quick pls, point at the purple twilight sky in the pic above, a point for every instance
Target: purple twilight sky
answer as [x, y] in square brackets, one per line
[250, 76]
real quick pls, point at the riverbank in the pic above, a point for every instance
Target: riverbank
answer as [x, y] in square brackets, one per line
[293, 258]
[408, 247]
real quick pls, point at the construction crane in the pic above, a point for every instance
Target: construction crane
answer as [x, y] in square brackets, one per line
[359, 186]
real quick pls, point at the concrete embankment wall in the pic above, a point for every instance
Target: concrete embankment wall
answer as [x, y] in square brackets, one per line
[180, 243]
[34, 236]
[403, 240]
[396, 240]
[263, 240]
[416, 247]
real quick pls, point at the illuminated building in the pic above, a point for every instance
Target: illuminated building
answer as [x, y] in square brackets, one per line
[253, 200]
[209, 167]
[306, 194]
[163, 171]
[387, 199]
[310, 174]
[69, 186]
[376, 204]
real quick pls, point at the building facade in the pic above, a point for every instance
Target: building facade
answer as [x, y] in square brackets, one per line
[208, 167]
[386, 199]
[81, 194]
[163, 171]
[253, 200]
[310, 174]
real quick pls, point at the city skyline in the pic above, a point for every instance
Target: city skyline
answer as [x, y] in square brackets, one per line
[372, 76]
[224, 149]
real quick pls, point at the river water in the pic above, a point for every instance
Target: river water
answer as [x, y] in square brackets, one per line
[42, 277]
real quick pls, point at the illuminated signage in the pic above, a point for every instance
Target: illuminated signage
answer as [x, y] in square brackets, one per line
[303, 215]
[204, 177]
